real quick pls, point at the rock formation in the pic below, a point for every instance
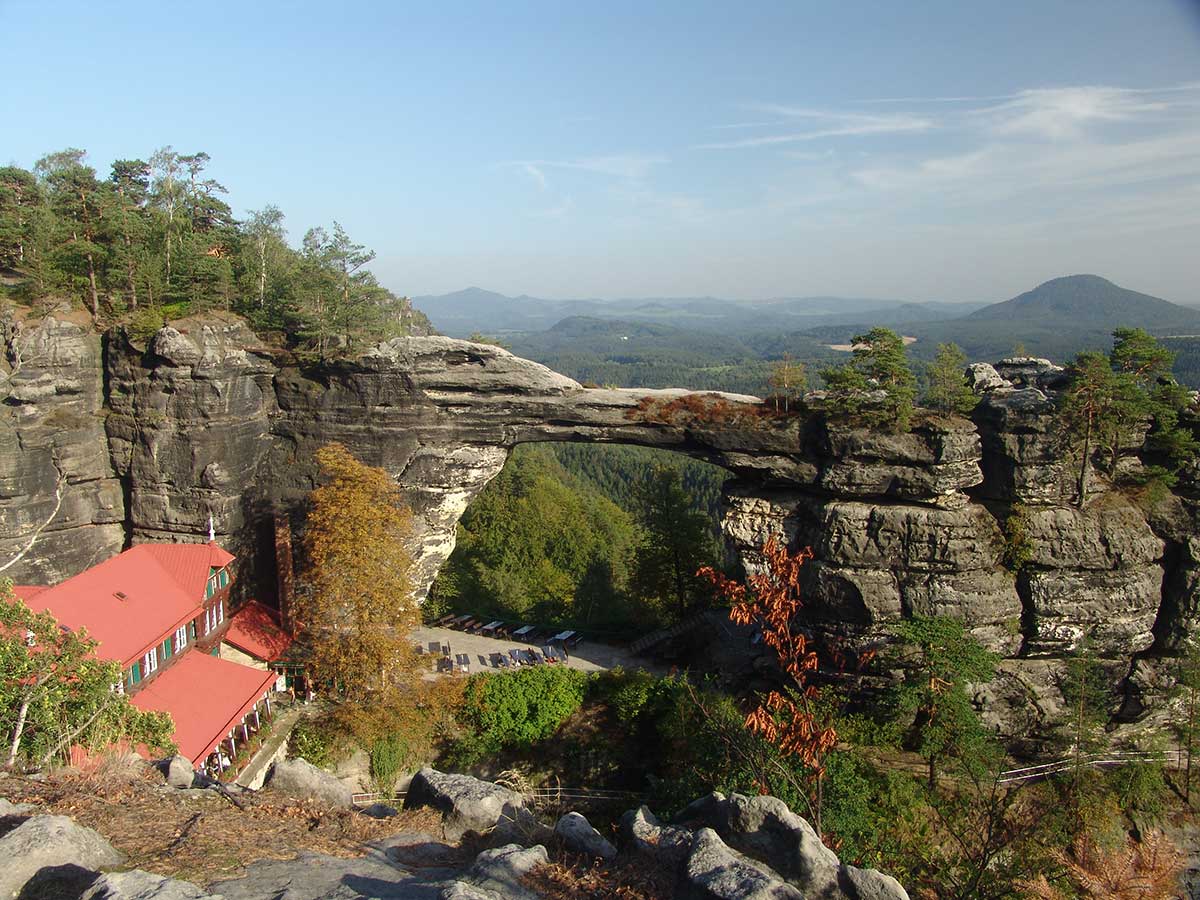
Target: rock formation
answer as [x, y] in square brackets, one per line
[203, 421]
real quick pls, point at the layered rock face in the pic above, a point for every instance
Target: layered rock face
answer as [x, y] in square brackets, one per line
[57, 483]
[203, 422]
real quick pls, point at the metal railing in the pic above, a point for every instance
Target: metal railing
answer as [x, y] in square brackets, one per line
[1091, 760]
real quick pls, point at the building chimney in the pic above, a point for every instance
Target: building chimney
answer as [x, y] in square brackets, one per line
[284, 576]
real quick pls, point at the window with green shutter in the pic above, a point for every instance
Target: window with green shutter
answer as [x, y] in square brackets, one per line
[136, 673]
[167, 649]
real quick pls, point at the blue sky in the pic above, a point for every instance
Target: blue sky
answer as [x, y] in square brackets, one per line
[953, 151]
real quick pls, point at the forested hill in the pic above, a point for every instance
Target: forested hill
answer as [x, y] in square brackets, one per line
[155, 239]
[1089, 300]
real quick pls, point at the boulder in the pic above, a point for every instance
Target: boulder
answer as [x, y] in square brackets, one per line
[139, 885]
[665, 844]
[178, 771]
[766, 830]
[301, 779]
[578, 835]
[466, 803]
[517, 825]
[714, 872]
[8, 808]
[497, 874]
[51, 845]
[379, 811]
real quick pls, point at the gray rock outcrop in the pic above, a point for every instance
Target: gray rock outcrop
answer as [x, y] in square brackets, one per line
[53, 849]
[201, 420]
[301, 779]
[139, 885]
[765, 829]
[578, 836]
[466, 803]
[178, 771]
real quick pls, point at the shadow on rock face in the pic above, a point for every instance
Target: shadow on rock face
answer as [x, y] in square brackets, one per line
[65, 882]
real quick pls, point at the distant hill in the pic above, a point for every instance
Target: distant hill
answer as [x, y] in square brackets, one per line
[1083, 301]
[475, 309]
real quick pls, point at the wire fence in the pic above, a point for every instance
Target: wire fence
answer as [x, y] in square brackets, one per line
[1093, 760]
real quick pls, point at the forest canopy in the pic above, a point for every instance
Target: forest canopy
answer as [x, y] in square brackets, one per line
[156, 239]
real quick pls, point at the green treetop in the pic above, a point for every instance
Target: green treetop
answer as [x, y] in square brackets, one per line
[948, 389]
[879, 365]
[942, 660]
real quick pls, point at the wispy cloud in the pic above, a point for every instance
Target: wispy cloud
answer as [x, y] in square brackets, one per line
[536, 174]
[1057, 113]
[631, 166]
[828, 124]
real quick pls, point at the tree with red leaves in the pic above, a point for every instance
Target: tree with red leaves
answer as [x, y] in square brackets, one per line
[795, 720]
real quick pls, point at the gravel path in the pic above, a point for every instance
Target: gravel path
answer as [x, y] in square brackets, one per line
[589, 656]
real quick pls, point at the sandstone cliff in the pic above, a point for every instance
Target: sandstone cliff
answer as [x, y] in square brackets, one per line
[204, 422]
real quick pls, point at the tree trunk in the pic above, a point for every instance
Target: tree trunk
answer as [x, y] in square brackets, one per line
[18, 730]
[262, 273]
[92, 287]
[1083, 463]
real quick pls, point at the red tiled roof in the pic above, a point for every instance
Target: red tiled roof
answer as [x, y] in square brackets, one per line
[27, 592]
[206, 697]
[254, 629]
[188, 564]
[163, 587]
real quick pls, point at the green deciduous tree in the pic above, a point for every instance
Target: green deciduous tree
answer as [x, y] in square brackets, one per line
[357, 607]
[941, 660]
[948, 389]
[877, 386]
[55, 692]
[519, 708]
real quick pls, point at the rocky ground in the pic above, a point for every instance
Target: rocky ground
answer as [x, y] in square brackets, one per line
[129, 834]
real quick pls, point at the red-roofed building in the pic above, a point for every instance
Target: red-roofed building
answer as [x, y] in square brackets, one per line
[255, 637]
[160, 611]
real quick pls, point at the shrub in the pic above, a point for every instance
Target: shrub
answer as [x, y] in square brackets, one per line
[1018, 545]
[312, 741]
[388, 756]
[518, 708]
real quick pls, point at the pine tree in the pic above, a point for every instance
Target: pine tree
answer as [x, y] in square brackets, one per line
[948, 389]
[879, 367]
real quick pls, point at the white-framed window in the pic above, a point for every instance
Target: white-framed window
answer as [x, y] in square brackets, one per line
[220, 611]
[208, 621]
[150, 662]
[180, 638]
[30, 638]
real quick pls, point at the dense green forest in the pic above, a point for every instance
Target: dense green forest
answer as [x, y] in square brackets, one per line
[156, 240]
[573, 534]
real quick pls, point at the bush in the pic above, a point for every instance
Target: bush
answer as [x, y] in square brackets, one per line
[388, 757]
[518, 708]
[312, 741]
[627, 693]
[1018, 545]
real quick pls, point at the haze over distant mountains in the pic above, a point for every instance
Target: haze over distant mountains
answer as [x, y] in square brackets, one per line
[475, 309]
[1083, 303]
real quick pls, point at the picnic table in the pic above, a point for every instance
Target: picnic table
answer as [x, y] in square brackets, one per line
[491, 626]
[562, 636]
[523, 631]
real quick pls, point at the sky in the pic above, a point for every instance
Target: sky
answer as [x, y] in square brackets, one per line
[922, 151]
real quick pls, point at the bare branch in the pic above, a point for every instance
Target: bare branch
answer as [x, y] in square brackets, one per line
[60, 489]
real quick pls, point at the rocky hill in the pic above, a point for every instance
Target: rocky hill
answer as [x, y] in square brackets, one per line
[133, 837]
[146, 441]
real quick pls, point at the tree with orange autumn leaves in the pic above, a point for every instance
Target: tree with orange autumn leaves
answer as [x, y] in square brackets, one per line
[796, 720]
[356, 605]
